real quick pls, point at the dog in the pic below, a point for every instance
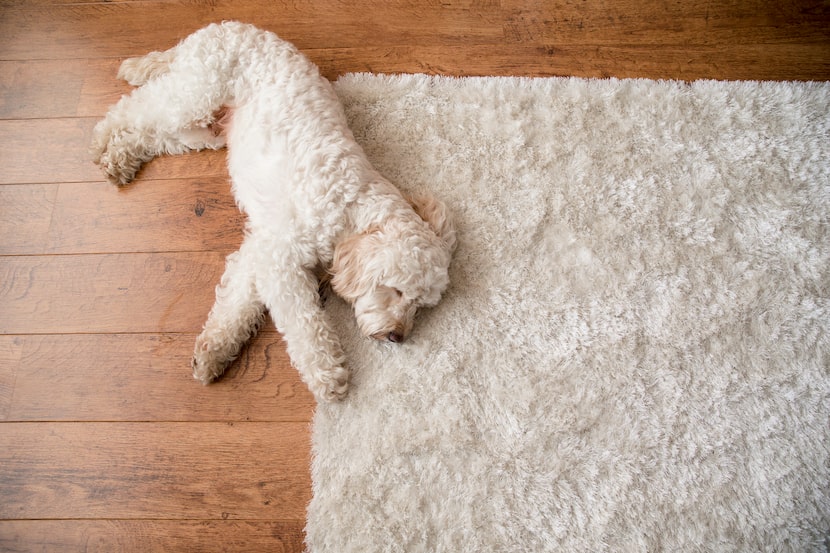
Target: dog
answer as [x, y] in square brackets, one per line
[311, 197]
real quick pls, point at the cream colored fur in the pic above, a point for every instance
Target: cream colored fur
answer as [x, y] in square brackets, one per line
[309, 192]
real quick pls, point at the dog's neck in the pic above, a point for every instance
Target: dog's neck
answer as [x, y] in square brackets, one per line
[377, 201]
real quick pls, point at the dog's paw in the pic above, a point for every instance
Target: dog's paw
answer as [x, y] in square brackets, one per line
[332, 385]
[119, 170]
[112, 150]
[206, 363]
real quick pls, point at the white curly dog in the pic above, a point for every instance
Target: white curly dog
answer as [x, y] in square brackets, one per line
[312, 199]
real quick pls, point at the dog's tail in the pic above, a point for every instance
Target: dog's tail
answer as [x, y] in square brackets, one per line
[138, 71]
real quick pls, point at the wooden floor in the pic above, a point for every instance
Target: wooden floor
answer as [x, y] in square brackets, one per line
[106, 442]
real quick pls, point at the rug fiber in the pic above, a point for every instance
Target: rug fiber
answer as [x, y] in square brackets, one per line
[633, 352]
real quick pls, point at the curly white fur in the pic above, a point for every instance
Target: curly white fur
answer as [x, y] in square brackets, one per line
[311, 196]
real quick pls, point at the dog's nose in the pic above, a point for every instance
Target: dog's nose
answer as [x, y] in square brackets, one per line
[395, 337]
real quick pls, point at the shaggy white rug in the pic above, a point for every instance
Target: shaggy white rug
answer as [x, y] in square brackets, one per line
[633, 354]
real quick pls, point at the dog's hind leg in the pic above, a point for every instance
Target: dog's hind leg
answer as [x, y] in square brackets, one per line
[170, 113]
[137, 71]
[233, 320]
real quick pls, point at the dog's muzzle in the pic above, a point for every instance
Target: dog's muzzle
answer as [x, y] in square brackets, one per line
[394, 336]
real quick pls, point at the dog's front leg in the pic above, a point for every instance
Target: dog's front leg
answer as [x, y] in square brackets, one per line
[233, 320]
[293, 300]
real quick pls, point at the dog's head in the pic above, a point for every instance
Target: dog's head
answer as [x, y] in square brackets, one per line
[391, 270]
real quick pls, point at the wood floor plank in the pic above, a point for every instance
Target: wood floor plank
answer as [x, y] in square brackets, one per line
[76, 30]
[745, 62]
[46, 151]
[658, 23]
[11, 348]
[111, 293]
[217, 471]
[25, 216]
[37, 31]
[150, 536]
[40, 88]
[150, 215]
[144, 377]
[101, 88]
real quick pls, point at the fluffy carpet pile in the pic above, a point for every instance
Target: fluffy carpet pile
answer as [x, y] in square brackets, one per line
[633, 354]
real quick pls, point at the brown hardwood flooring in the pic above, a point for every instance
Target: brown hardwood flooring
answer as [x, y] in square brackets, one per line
[106, 442]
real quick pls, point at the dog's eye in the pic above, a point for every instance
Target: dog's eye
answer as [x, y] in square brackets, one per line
[397, 292]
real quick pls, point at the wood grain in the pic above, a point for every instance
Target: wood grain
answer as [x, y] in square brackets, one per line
[11, 348]
[144, 377]
[46, 151]
[179, 471]
[40, 88]
[25, 216]
[781, 61]
[79, 31]
[113, 293]
[150, 536]
[194, 214]
[108, 30]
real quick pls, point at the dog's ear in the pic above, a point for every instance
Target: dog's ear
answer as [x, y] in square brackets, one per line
[347, 271]
[437, 216]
